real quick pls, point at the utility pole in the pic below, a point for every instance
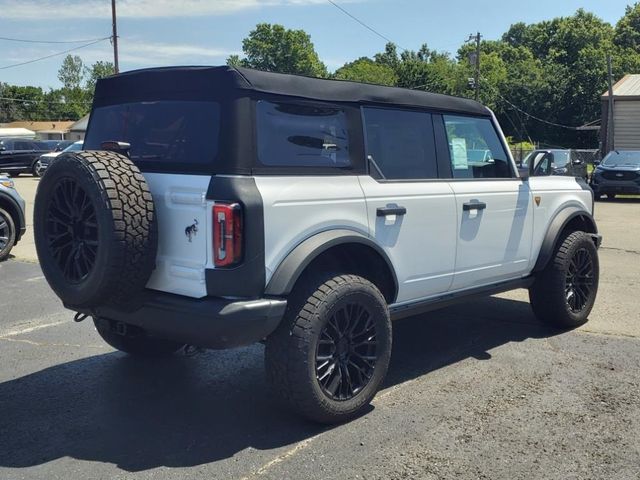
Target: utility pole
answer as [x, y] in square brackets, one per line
[610, 123]
[474, 59]
[114, 38]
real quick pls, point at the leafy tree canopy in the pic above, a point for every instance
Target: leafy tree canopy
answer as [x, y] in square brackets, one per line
[366, 70]
[276, 49]
[551, 71]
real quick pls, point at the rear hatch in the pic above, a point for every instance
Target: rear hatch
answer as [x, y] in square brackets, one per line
[175, 144]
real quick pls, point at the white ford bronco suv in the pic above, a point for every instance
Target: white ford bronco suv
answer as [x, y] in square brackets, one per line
[219, 206]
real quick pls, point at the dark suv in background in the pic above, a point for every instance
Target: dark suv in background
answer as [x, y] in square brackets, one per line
[556, 162]
[619, 173]
[19, 155]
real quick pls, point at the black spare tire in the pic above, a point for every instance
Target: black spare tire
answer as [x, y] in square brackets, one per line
[95, 229]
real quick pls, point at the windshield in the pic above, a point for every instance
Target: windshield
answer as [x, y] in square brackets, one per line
[164, 135]
[74, 147]
[561, 157]
[620, 158]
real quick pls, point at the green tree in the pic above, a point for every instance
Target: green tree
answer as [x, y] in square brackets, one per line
[71, 72]
[21, 103]
[98, 70]
[423, 69]
[368, 71]
[276, 49]
[627, 32]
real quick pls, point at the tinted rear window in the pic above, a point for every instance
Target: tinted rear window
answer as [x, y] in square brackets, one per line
[302, 135]
[166, 135]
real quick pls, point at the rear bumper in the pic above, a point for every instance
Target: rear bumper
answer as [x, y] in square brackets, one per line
[207, 322]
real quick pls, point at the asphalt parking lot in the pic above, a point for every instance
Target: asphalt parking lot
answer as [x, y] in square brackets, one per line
[476, 391]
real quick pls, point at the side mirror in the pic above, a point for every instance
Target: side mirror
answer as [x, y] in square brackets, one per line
[524, 172]
[577, 161]
[596, 163]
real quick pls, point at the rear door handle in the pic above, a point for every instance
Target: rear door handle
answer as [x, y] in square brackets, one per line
[474, 205]
[384, 211]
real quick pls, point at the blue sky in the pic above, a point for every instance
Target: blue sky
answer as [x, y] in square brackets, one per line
[205, 32]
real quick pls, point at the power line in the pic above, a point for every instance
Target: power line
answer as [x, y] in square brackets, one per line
[61, 102]
[49, 41]
[533, 117]
[55, 54]
[371, 29]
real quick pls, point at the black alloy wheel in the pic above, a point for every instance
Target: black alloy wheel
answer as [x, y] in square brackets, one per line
[72, 230]
[346, 352]
[330, 354]
[564, 292]
[5, 232]
[579, 280]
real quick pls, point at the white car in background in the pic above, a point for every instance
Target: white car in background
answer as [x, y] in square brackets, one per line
[45, 160]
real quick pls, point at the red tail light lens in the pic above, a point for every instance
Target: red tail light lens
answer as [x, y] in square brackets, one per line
[227, 234]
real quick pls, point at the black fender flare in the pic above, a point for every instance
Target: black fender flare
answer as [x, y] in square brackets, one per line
[16, 212]
[557, 225]
[286, 275]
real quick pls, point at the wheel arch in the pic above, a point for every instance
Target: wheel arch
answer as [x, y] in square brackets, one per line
[568, 219]
[336, 249]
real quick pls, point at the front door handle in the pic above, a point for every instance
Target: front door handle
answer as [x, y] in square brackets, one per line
[384, 211]
[474, 205]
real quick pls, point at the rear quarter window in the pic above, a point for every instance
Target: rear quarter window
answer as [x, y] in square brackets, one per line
[164, 135]
[291, 134]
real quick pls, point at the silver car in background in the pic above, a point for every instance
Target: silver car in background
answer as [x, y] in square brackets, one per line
[12, 216]
[45, 160]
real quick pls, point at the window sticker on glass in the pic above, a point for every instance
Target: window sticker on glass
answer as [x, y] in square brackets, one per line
[459, 152]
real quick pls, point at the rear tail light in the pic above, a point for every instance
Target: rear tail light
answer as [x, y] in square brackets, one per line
[227, 234]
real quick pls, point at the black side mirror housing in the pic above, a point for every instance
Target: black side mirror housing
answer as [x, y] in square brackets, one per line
[596, 163]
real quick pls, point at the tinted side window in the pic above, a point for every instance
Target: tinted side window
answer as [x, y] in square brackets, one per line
[24, 146]
[302, 135]
[542, 164]
[401, 143]
[476, 150]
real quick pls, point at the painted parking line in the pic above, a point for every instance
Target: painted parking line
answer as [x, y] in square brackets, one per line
[28, 329]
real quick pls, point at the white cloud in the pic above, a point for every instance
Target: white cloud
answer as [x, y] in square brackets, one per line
[143, 53]
[65, 9]
[135, 54]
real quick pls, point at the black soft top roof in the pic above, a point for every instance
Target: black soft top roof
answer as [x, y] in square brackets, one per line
[215, 83]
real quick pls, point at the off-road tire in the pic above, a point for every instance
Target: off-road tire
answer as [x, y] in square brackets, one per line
[135, 341]
[6, 225]
[290, 353]
[549, 293]
[126, 238]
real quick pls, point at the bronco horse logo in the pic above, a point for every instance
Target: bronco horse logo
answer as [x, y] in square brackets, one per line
[191, 230]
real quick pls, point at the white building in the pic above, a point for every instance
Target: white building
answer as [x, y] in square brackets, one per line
[626, 115]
